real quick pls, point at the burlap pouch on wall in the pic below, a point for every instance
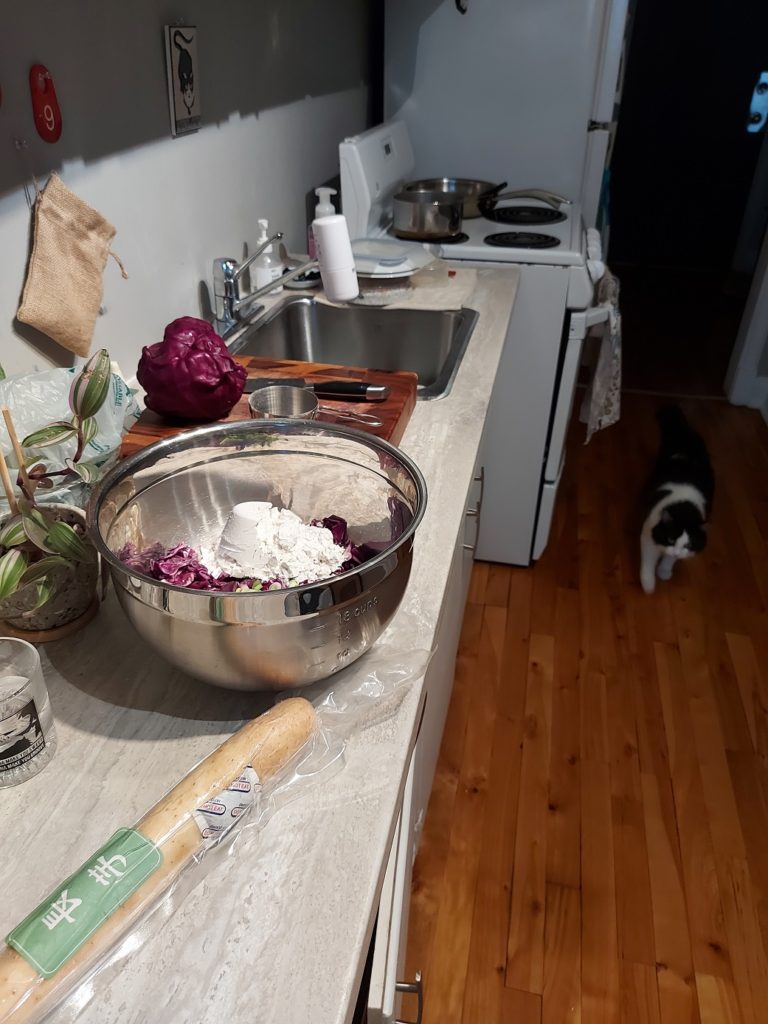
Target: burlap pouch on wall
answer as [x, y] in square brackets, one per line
[62, 293]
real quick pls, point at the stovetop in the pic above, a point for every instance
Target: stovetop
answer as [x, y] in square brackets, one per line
[528, 215]
[375, 164]
[559, 242]
[521, 240]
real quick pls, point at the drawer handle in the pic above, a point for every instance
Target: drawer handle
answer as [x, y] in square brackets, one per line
[472, 512]
[481, 480]
[413, 988]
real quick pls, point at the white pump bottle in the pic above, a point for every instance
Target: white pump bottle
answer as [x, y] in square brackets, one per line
[324, 208]
[267, 267]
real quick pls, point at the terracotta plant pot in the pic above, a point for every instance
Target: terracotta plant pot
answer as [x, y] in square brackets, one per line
[74, 598]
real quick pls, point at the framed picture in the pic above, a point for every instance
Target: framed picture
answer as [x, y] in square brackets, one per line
[183, 78]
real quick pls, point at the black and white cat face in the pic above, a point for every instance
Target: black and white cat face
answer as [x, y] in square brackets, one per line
[680, 531]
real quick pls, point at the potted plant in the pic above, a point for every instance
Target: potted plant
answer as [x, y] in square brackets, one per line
[49, 571]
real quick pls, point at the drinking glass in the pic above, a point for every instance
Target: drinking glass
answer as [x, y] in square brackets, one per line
[27, 732]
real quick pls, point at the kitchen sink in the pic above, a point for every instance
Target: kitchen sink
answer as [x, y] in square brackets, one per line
[427, 342]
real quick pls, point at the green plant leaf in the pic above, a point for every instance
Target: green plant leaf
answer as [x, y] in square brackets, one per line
[91, 386]
[12, 532]
[63, 540]
[53, 433]
[39, 570]
[2, 373]
[45, 591]
[12, 567]
[87, 471]
[36, 527]
[90, 429]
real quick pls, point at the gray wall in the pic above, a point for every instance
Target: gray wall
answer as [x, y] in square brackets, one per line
[281, 83]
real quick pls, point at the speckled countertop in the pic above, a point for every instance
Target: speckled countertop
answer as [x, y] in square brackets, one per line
[277, 933]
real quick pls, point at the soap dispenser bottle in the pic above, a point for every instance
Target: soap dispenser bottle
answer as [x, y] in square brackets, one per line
[324, 208]
[266, 267]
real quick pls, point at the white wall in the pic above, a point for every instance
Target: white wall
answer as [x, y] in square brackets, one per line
[279, 89]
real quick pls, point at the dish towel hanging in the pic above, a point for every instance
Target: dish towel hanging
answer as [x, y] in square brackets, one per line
[602, 402]
[63, 289]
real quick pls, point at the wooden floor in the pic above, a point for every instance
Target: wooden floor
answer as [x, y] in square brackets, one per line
[596, 847]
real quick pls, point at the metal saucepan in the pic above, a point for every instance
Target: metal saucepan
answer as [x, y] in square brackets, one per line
[469, 189]
[427, 215]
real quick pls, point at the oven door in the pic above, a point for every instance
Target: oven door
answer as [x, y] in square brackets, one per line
[562, 407]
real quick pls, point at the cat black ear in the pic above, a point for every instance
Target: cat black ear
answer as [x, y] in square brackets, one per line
[666, 516]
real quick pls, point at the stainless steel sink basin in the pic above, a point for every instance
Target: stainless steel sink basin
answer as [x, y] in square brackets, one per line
[430, 343]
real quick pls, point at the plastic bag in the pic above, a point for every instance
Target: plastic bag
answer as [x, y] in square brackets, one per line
[36, 399]
[362, 694]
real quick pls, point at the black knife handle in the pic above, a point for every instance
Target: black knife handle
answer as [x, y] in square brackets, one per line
[350, 390]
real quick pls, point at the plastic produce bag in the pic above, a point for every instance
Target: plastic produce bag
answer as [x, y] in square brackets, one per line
[357, 697]
[36, 399]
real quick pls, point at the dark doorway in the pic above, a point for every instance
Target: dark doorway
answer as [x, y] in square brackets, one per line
[682, 170]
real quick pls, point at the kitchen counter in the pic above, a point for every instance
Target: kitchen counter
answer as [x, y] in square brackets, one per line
[277, 934]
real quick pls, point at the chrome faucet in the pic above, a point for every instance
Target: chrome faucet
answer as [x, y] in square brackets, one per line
[226, 286]
[228, 303]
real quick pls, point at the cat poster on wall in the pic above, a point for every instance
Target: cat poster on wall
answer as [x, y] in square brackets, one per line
[183, 78]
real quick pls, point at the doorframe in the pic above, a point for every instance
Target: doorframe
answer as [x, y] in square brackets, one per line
[743, 384]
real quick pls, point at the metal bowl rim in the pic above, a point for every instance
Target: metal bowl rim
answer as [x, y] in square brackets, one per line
[127, 465]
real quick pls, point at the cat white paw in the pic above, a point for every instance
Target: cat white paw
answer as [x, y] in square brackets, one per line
[665, 567]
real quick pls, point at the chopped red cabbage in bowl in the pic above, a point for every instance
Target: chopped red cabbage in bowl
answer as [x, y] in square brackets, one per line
[181, 566]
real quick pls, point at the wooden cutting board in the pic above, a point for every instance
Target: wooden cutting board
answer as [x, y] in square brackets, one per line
[394, 411]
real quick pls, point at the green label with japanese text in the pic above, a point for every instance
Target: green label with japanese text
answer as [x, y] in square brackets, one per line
[56, 929]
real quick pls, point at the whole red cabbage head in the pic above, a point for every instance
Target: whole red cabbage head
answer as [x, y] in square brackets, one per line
[190, 374]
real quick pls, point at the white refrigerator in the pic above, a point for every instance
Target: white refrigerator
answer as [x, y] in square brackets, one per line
[523, 91]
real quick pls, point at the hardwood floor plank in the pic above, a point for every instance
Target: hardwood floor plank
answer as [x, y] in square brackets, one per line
[478, 583]
[525, 947]
[707, 729]
[600, 955]
[594, 716]
[484, 996]
[519, 1008]
[639, 994]
[444, 988]
[674, 962]
[718, 1000]
[750, 968]
[561, 1001]
[564, 803]
[497, 585]
[753, 688]
[750, 790]
[709, 946]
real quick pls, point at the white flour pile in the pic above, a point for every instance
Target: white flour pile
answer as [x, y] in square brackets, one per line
[266, 542]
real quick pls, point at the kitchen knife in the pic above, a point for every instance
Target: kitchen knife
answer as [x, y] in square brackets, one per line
[334, 390]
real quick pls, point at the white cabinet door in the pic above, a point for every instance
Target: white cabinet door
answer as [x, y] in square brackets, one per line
[439, 679]
[386, 984]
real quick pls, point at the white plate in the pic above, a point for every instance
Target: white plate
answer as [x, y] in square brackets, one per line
[386, 259]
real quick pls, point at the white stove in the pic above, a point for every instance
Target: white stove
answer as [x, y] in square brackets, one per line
[529, 412]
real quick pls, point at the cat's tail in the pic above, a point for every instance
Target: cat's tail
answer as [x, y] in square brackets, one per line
[673, 424]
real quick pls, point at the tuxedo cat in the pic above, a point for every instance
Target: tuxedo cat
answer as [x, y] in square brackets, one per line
[679, 499]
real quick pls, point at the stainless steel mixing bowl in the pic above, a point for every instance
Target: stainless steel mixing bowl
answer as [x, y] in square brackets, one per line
[182, 490]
